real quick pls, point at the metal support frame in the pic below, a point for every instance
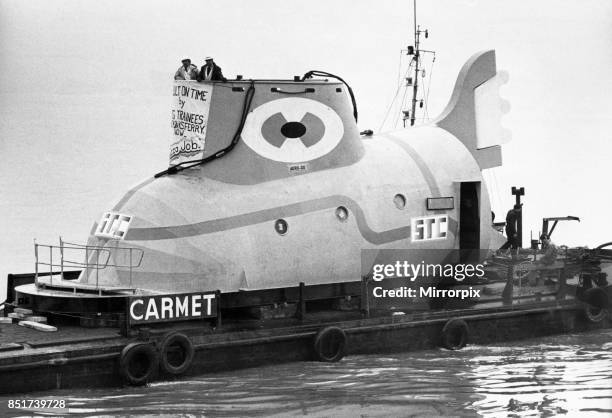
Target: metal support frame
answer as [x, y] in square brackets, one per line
[126, 327]
[61, 259]
[301, 311]
[219, 321]
[35, 264]
[507, 293]
[518, 192]
[365, 300]
[545, 223]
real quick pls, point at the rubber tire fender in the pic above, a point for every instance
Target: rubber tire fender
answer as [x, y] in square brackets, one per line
[185, 343]
[131, 353]
[596, 304]
[326, 337]
[455, 334]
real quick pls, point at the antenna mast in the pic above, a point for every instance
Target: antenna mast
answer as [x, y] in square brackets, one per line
[415, 51]
[415, 87]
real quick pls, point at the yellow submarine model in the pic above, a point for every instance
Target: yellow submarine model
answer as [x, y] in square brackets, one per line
[259, 243]
[271, 184]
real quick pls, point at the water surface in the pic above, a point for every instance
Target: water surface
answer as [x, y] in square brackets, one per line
[567, 375]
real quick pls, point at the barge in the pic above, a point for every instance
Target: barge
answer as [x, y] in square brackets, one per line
[261, 241]
[84, 354]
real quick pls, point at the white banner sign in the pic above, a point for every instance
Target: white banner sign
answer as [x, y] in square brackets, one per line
[189, 120]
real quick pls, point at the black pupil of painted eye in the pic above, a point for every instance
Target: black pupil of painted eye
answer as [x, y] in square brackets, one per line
[293, 130]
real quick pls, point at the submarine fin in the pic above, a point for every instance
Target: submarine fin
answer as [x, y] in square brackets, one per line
[474, 111]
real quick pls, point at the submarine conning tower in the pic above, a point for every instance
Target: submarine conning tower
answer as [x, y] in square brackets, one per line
[285, 127]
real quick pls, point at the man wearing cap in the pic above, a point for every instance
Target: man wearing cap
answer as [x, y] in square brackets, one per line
[211, 71]
[549, 256]
[550, 250]
[187, 71]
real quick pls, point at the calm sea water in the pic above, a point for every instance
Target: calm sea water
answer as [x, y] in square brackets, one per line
[568, 375]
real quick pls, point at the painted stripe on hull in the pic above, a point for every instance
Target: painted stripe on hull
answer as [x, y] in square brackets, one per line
[269, 215]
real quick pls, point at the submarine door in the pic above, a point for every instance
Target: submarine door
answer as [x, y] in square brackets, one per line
[469, 222]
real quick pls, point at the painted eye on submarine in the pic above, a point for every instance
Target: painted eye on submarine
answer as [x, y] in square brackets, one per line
[277, 130]
[293, 130]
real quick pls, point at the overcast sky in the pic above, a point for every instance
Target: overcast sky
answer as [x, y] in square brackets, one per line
[558, 55]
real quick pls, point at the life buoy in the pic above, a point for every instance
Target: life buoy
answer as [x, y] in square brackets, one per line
[330, 344]
[176, 354]
[455, 334]
[138, 363]
[596, 304]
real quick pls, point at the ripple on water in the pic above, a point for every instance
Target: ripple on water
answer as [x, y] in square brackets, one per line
[569, 374]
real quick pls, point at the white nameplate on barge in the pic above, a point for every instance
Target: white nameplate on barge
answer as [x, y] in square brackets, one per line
[168, 308]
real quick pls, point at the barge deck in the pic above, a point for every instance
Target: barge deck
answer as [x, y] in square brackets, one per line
[75, 356]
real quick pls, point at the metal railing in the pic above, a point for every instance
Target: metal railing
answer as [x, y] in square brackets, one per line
[96, 258]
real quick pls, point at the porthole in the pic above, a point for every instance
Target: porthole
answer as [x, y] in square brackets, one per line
[281, 226]
[400, 201]
[342, 213]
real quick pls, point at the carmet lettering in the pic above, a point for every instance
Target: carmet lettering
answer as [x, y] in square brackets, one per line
[172, 307]
[209, 299]
[195, 305]
[151, 310]
[166, 310]
[182, 308]
[136, 302]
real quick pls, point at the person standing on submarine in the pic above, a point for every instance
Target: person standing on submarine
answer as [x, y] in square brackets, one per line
[187, 71]
[211, 71]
